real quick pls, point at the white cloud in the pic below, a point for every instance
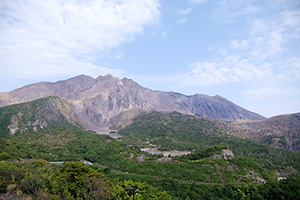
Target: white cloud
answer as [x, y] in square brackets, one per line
[231, 10]
[263, 93]
[47, 38]
[164, 34]
[197, 1]
[239, 44]
[290, 70]
[267, 38]
[230, 69]
[290, 19]
[181, 21]
[211, 48]
[269, 31]
[186, 11]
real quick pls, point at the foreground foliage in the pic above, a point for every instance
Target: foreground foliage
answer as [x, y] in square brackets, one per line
[72, 180]
[75, 180]
[285, 189]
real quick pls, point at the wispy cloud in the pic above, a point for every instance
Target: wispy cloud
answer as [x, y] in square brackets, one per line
[186, 11]
[44, 38]
[230, 69]
[268, 31]
[268, 38]
[269, 41]
[181, 21]
[263, 57]
[183, 13]
[239, 44]
[197, 1]
[290, 70]
[263, 93]
[232, 10]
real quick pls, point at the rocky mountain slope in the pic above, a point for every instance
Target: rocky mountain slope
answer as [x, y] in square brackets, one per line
[100, 102]
[282, 131]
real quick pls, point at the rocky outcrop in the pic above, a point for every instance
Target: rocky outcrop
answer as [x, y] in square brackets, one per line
[225, 154]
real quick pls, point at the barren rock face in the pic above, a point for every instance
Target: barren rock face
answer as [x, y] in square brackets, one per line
[99, 102]
[225, 154]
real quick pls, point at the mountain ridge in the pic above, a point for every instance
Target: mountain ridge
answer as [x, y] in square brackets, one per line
[100, 102]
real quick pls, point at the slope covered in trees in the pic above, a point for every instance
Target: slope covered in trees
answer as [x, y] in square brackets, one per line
[42, 114]
[174, 131]
[72, 180]
[197, 178]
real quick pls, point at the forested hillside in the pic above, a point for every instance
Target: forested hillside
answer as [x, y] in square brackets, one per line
[174, 131]
[42, 114]
[181, 177]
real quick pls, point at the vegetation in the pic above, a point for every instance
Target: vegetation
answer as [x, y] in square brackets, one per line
[175, 131]
[171, 131]
[72, 180]
[120, 163]
[68, 145]
[43, 114]
[203, 153]
[179, 189]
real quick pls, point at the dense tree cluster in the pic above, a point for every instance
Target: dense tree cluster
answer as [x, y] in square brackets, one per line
[72, 180]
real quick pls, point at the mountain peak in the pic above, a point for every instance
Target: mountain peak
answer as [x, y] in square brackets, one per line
[100, 102]
[79, 79]
[106, 77]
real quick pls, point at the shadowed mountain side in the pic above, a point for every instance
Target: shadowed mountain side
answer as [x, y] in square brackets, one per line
[100, 102]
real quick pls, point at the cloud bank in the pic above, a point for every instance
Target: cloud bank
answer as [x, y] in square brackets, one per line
[42, 38]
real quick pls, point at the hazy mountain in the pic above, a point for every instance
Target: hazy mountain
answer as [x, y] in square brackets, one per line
[100, 102]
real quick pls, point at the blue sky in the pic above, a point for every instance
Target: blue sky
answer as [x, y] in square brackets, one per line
[246, 51]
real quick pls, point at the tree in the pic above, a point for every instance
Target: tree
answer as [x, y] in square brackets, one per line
[4, 156]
